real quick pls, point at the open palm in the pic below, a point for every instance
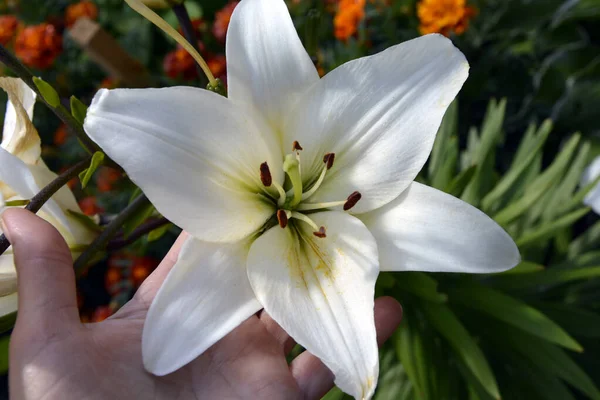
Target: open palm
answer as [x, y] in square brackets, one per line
[54, 356]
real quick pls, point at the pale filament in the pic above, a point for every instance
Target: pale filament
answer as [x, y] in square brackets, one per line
[304, 218]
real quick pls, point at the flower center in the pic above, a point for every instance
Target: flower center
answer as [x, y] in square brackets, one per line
[293, 204]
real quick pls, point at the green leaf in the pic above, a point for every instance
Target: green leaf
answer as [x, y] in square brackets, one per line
[547, 357]
[449, 326]
[447, 130]
[516, 170]
[579, 9]
[524, 267]
[550, 229]
[586, 241]
[577, 321]
[16, 203]
[491, 131]
[421, 285]
[4, 344]
[78, 109]
[550, 276]
[7, 322]
[86, 174]
[447, 169]
[88, 222]
[47, 91]
[137, 218]
[158, 232]
[405, 344]
[514, 312]
[458, 184]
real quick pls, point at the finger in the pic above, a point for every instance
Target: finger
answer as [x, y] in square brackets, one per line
[285, 341]
[46, 281]
[152, 283]
[315, 379]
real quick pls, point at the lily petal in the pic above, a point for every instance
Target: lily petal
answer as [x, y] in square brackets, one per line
[320, 290]
[194, 154]
[8, 273]
[425, 229]
[204, 297]
[16, 179]
[8, 304]
[379, 115]
[592, 172]
[73, 231]
[19, 136]
[267, 66]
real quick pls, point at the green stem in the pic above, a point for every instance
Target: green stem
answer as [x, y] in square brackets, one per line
[108, 233]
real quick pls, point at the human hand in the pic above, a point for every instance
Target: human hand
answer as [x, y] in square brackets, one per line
[54, 356]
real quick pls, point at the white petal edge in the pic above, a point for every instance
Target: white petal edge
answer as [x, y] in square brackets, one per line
[204, 297]
[267, 66]
[425, 229]
[17, 176]
[194, 154]
[379, 115]
[320, 290]
[592, 172]
[19, 136]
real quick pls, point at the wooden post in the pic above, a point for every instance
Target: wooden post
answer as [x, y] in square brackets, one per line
[106, 51]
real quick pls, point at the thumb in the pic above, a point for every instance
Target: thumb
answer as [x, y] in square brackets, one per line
[46, 281]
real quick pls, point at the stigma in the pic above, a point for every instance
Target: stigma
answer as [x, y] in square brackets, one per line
[293, 204]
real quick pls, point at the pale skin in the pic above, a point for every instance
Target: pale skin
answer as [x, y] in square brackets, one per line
[54, 356]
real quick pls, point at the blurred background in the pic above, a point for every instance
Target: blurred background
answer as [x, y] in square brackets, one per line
[514, 144]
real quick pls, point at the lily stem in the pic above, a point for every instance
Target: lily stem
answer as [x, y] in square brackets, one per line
[101, 242]
[48, 191]
[190, 34]
[120, 242]
[61, 112]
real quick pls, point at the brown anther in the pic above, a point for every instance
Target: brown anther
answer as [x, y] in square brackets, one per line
[321, 233]
[296, 146]
[265, 174]
[282, 218]
[352, 200]
[328, 159]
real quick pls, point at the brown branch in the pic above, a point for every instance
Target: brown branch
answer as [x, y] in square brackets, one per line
[140, 231]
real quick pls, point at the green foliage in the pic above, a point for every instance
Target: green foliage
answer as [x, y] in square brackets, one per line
[514, 334]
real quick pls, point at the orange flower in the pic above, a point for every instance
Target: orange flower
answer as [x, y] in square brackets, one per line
[109, 83]
[61, 135]
[222, 18]
[8, 27]
[142, 268]
[349, 14]
[101, 313]
[106, 179]
[82, 9]
[444, 16]
[180, 64]
[89, 206]
[217, 65]
[38, 46]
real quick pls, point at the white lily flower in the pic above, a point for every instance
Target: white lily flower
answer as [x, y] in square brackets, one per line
[296, 191]
[22, 175]
[591, 173]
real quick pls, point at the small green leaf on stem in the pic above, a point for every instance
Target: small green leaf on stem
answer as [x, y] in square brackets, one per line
[158, 232]
[86, 175]
[16, 203]
[47, 91]
[78, 109]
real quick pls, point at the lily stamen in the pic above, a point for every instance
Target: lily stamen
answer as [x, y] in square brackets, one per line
[319, 231]
[267, 181]
[328, 160]
[347, 204]
[282, 218]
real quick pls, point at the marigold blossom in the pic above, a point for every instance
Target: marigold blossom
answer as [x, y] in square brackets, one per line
[38, 46]
[179, 64]
[82, 9]
[444, 16]
[296, 191]
[8, 27]
[222, 18]
[348, 16]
